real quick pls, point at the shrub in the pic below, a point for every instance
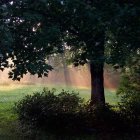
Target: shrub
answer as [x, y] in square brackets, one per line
[130, 100]
[129, 91]
[104, 118]
[48, 111]
[65, 113]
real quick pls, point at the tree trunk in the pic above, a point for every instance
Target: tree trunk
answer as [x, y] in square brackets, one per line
[65, 68]
[66, 72]
[97, 83]
[97, 69]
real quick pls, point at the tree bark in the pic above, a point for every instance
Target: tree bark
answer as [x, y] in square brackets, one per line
[97, 69]
[97, 83]
[66, 72]
[65, 68]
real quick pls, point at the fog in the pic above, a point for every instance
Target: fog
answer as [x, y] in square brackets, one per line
[69, 76]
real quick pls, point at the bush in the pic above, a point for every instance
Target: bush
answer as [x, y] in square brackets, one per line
[129, 91]
[65, 113]
[104, 118]
[51, 112]
[130, 100]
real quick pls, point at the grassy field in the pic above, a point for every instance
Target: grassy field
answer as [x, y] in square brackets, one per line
[12, 93]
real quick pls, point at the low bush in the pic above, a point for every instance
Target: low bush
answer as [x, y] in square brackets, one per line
[129, 91]
[51, 112]
[65, 113]
[104, 118]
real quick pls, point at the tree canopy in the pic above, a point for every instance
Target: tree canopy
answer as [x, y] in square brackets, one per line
[96, 32]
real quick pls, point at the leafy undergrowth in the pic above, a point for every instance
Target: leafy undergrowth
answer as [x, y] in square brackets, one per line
[66, 115]
[10, 130]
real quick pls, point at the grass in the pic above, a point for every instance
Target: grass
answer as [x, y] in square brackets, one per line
[9, 94]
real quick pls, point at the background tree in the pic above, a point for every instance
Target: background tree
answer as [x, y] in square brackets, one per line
[60, 62]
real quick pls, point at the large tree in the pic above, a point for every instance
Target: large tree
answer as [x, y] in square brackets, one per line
[96, 31]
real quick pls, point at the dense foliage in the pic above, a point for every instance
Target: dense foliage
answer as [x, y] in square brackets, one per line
[129, 91]
[88, 27]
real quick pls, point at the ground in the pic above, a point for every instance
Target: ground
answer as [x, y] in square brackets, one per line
[9, 94]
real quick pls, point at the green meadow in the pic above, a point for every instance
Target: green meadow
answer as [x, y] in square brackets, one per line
[9, 94]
